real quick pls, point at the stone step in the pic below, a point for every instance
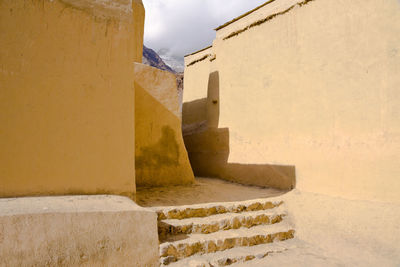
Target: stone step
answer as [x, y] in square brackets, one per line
[223, 240]
[171, 228]
[204, 210]
[231, 256]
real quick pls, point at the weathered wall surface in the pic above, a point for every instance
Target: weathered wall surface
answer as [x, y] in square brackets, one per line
[161, 157]
[194, 109]
[67, 96]
[263, 12]
[207, 145]
[195, 99]
[209, 152]
[196, 77]
[77, 231]
[318, 87]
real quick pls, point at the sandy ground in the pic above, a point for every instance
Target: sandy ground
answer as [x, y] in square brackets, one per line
[205, 190]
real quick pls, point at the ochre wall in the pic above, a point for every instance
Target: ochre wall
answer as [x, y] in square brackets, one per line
[209, 151]
[160, 85]
[194, 108]
[318, 87]
[197, 78]
[161, 157]
[208, 146]
[67, 96]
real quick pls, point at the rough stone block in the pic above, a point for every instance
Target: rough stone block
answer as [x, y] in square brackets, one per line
[77, 231]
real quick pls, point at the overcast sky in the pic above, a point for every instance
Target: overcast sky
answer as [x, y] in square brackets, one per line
[180, 27]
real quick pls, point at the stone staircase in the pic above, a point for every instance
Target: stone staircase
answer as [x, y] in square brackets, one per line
[220, 234]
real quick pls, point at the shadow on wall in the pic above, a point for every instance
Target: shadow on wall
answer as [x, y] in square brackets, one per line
[164, 152]
[160, 155]
[208, 146]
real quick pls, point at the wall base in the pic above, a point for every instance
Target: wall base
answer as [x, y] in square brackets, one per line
[77, 231]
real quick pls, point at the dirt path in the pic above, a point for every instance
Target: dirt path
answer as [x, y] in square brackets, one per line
[205, 190]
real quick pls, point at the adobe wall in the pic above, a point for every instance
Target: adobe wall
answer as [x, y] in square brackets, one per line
[197, 71]
[208, 145]
[199, 63]
[161, 158]
[316, 86]
[67, 96]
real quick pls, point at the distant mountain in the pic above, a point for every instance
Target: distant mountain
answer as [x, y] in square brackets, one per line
[150, 57]
[176, 63]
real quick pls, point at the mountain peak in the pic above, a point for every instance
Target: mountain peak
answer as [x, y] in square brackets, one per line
[150, 57]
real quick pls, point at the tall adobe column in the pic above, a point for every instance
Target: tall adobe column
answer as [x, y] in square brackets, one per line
[67, 96]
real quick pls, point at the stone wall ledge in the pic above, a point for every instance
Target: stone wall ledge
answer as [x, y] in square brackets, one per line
[102, 230]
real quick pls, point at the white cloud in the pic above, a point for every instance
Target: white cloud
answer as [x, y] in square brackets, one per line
[180, 27]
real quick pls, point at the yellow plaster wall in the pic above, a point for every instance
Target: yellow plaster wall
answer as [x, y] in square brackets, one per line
[318, 87]
[209, 151]
[161, 157]
[197, 69]
[160, 85]
[208, 146]
[194, 108]
[67, 96]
